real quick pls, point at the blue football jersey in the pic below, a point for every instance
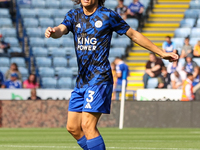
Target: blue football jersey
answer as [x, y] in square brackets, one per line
[92, 38]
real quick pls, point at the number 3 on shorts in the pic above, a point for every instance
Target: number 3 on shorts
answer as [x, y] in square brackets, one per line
[91, 93]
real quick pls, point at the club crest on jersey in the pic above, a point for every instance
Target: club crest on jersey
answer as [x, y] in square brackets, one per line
[98, 24]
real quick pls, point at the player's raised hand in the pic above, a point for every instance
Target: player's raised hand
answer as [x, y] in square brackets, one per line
[170, 56]
[49, 32]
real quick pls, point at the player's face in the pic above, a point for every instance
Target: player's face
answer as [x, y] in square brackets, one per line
[89, 3]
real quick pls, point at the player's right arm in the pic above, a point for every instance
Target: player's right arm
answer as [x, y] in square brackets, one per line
[56, 32]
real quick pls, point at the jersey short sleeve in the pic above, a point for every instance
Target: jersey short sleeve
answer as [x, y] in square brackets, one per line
[117, 23]
[68, 21]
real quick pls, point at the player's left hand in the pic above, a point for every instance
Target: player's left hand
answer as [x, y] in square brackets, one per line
[170, 56]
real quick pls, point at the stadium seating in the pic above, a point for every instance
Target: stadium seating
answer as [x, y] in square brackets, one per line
[39, 52]
[19, 61]
[36, 42]
[4, 62]
[188, 22]
[8, 32]
[53, 4]
[5, 22]
[46, 22]
[198, 23]
[34, 32]
[43, 62]
[195, 33]
[46, 72]
[192, 13]
[182, 32]
[59, 62]
[197, 60]
[27, 13]
[58, 52]
[193, 41]
[152, 83]
[24, 73]
[65, 72]
[49, 83]
[65, 83]
[15, 49]
[4, 69]
[30, 22]
[4, 13]
[195, 4]
[13, 41]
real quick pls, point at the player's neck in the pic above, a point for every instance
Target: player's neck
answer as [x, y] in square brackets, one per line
[90, 9]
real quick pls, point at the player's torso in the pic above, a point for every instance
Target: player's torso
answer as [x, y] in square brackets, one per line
[92, 36]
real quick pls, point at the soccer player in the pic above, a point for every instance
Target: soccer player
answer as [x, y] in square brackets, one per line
[92, 26]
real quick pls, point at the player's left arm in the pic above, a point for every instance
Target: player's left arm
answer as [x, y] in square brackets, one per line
[146, 43]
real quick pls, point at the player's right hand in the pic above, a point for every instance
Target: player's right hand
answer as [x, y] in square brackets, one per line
[49, 32]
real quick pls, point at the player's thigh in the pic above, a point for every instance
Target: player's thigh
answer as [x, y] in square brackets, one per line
[90, 120]
[74, 120]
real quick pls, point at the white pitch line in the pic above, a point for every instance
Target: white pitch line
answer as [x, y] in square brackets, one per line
[75, 147]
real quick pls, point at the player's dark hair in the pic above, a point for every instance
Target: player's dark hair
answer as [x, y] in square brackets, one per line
[101, 2]
[187, 38]
[153, 54]
[189, 74]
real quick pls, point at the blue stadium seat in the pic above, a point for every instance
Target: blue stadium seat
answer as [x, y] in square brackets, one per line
[72, 52]
[19, 61]
[195, 5]
[38, 4]
[65, 72]
[152, 83]
[198, 23]
[197, 60]
[188, 22]
[65, 83]
[57, 69]
[182, 32]
[4, 13]
[111, 4]
[59, 13]
[179, 42]
[8, 32]
[30, 22]
[39, 52]
[49, 83]
[46, 72]
[4, 69]
[53, 4]
[73, 83]
[132, 22]
[36, 42]
[15, 49]
[192, 13]
[115, 52]
[195, 33]
[111, 59]
[24, 72]
[13, 41]
[67, 42]
[182, 61]
[193, 41]
[59, 62]
[24, 3]
[73, 62]
[69, 51]
[43, 62]
[27, 13]
[5, 22]
[58, 21]
[75, 71]
[66, 4]
[43, 13]
[34, 32]
[120, 42]
[50, 42]
[46, 22]
[4, 62]
[58, 52]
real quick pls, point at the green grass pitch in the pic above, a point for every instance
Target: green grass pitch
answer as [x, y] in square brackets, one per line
[115, 139]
